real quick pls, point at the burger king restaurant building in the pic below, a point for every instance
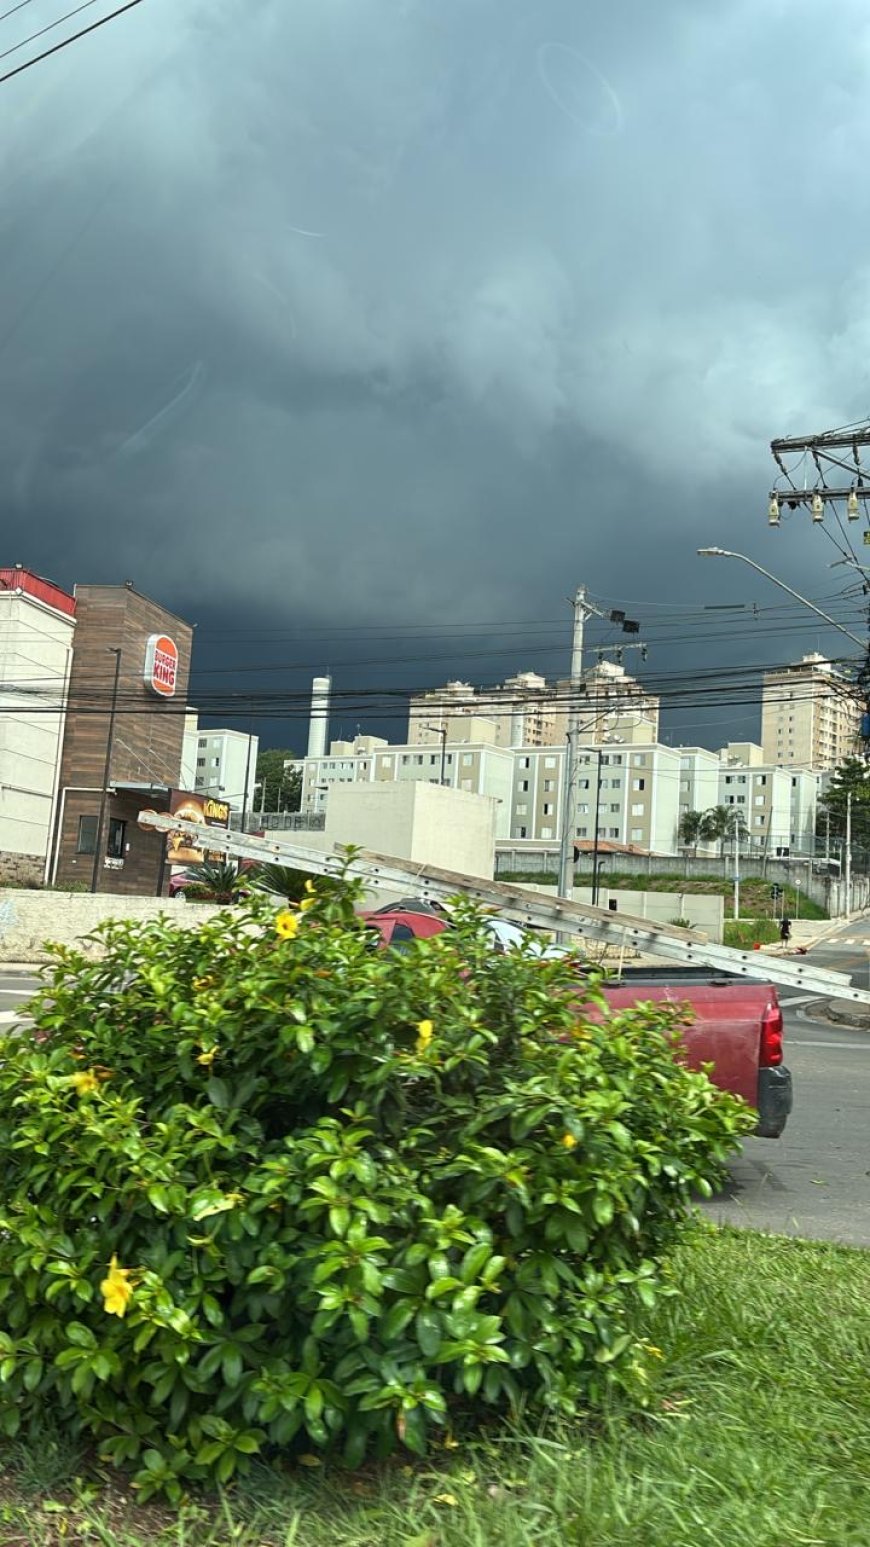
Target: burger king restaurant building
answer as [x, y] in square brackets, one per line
[125, 717]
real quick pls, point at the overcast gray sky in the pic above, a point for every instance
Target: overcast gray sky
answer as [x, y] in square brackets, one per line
[365, 310]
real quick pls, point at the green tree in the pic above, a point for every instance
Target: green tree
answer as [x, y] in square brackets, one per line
[851, 778]
[690, 829]
[283, 790]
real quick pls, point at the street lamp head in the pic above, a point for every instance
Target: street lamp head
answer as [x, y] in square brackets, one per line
[714, 553]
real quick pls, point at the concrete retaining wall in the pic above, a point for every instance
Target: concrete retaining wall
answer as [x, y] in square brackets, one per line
[28, 919]
[700, 910]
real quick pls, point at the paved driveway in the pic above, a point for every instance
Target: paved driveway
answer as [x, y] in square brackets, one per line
[15, 990]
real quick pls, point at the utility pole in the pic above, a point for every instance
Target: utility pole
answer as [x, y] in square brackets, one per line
[848, 854]
[583, 609]
[833, 452]
[104, 796]
[566, 844]
[736, 869]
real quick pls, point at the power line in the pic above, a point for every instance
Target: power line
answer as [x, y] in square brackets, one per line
[50, 28]
[19, 7]
[47, 53]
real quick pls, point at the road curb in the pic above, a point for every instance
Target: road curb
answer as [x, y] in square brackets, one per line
[839, 1013]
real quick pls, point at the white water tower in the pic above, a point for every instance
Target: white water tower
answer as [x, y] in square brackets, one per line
[321, 688]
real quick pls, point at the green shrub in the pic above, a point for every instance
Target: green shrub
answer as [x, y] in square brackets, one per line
[743, 934]
[266, 1186]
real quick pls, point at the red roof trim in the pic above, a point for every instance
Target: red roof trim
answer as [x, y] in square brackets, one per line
[41, 590]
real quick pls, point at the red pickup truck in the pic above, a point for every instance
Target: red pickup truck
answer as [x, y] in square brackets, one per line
[732, 1023]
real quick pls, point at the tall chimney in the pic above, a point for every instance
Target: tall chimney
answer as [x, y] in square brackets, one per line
[318, 725]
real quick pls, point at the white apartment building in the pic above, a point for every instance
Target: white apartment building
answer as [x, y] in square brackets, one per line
[529, 711]
[469, 760]
[699, 785]
[810, 717]
[221, 762]
[778, 805]
[37, 621]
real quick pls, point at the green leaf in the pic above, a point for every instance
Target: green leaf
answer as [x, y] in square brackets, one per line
[218, 1093]
[428, 1330]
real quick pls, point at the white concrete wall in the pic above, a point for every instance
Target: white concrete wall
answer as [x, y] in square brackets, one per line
[35, 643]
[428, 823]
[701, 910]
[28, 919]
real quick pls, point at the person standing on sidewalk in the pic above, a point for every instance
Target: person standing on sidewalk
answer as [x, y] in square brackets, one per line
[785, 929]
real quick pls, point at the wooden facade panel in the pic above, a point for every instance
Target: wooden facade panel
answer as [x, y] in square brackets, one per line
[148, 734]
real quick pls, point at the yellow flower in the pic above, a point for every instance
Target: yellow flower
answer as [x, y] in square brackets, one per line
[425, 1032]
[309, 886]
[85, 1084]
[286, 925]
[306, 903]
[569, 1141]
[208, 1057]
[116, 1289]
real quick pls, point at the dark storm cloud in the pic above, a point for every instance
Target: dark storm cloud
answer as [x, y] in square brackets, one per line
[383, 308]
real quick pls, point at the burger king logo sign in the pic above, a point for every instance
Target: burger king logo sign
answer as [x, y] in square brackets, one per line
[161, 665]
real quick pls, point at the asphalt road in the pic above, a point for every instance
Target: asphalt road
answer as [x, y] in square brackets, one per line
[15, 990]
[815, 1181]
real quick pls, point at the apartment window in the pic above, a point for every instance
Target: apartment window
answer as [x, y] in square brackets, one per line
[741, 800]
[581, 832]
[432, 762]
[614, 832]
[418, 759]
[202, 743]
[583, 784]
[604, 759]
[215, 762]
[602, 832]
[614, 810]
[116, 840]
[546, 832]
[761, 778]
[637, 810]
[522, 810]
[387, 761]
[200, 762]
[728, 779]
[525, 762]
[639, 759]
[405, 759]
[759, 800]
[759, 821]
[549, 784]
[637, 834]
[638, 784]
[617, 759]
[604, 784]
[523, 832]
[548, 808]
[87, 838]
[523, 784]
[583, 809]
[549, 762]
[616, 784]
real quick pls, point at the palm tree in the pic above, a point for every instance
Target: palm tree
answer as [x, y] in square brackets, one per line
[279, 881]
[715, 825]
[691, 824]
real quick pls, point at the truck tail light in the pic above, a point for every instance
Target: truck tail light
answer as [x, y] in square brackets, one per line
[771, 1037]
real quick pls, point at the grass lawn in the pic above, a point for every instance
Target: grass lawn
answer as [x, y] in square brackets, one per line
[755, 898]
[758, 1436]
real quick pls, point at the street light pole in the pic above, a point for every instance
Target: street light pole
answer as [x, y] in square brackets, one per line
[726, 553]
[441, 730]
[104, 794]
